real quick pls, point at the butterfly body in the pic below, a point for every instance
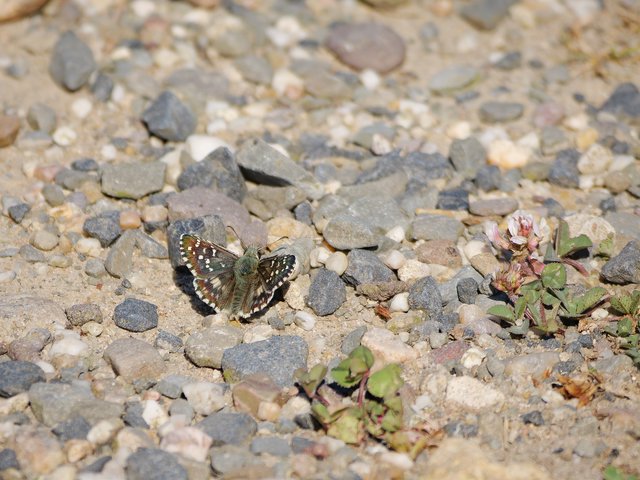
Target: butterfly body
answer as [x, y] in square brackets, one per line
[241, 285]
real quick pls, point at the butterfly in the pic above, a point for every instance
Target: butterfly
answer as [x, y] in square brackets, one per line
[241, 285]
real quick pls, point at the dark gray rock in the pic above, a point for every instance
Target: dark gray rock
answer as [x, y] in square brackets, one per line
[278, 357]
[105, 228]
[486, 14]
[52, 403]
[149, 246]
[453, 199]
[133, 180]
[133, 415]
[82, 313]
[85, 165]
[8, 459]
[168, 341]
[17, 376]
[102, 87]
[154, 464]
[624, 102]
[425, 295]
[499, 112]
[262, 163]
[168, 118]
[19, 211]
[436, 227]
[73, 179]
[228, 428]
[625, 267]
[533, 418]
[74, 427]
[32, 254]
[255, 69]
[346, 232]
[564, 171]
[210, 228]
[72, 62]
[218, 171]
[171, 385]
[467, 156]
[136, 315]
[326, 293]
[120, 257]
[352, 339]
[467, 289]
[488, 178]
[271, 445]
[366, 267]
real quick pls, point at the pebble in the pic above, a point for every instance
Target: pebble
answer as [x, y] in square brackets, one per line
[31, 254]
[500, 112]
[596, 160]
[72, 62]
[228, 428]
[19, 211]
[204, 397]
[37, 451]
[169, 119]
[134, 359]
[146, 463]
[452, 79]
[531, 364]
[494, 206]
[133, 180]
[473, 395]
[17, 376]
[120, 257]
[413, 270]
[624, 268]
[271, 445]
[278, 357]
[436, 227]
[188, 442]
[168, 341]
[136, 315]
[44, 240]
[485, 14]
[366, 267]
[400, 303]
[337, 262]
[439, 252]
[425, 295]
[206, 347]
[467, 156]
[347, 232]
[564, 170]
[327, 292]
[42, 117]
[305, 320]
[387, 347]
[366, 46]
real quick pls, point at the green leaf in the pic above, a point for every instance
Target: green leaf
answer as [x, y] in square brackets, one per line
[348, 428]
[385, 382]
[606, 247]
[627, 303]
[566, 245]
[351, 370]
[521, 329]
[520, 307]
[502, 311]
[392, 421]
[619, 304]
[589, 299]
[613, 473]
[343, 377]
[550, 300]
[362, 354]
[312, 379]
[554, 276]
[625, 327]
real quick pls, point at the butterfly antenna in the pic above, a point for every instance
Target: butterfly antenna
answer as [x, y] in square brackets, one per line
[237, 236]
[268, 247]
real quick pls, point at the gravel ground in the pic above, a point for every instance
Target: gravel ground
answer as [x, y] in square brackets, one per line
[372, 140]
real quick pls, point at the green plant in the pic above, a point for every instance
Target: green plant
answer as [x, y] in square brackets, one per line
[377, 410]
[537, 286]
[626, 325]
[614, 473]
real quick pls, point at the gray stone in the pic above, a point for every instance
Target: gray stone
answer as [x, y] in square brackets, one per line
[19, 211]
[436, 227]
[346, 232]
[210, 228]
[263, 164]
[364, 137]
[499, 112]
[486, 14]
[488, 177]
[425, 295]
[624, 102]
[72, 62]
[42, 117]
[52, 403]
[366, 45]
[276, 446]
[198, 201]
[352, 339]
[326, 293]
[32, 254]
[72, 179]
[266, 202]
[168, 118]
[626, 224]
[553, 140]
[453, 199]
[218, 171]
[133, 180]
[255, 69]
[233, 42]
[171, 385]
[564, 171]
[17, 376]
[180, 406]
[81, 313]
[95, 268]
[134, 359]
[509, 61]
[53, 194]
[44, 240]
[227, 459]
[120, 257]
[228, 428]
[278, 357]
[625, 267]
[380, 214]
[366, 267]
[8, 459]
[105, 228]
[168, 341]
[149, 246]
[136, 315]
[467, 156]
[74, 427]
[154, 464]
[615, 366]
[453, 79]
[493, 206]
[531, 364]
[206, 347]
[589, 447]
[467, 289]
[102, 87]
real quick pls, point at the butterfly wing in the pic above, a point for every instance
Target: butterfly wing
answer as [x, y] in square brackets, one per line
[271, 274]
[212, 267]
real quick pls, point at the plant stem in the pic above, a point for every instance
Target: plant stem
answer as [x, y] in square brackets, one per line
[362, 391]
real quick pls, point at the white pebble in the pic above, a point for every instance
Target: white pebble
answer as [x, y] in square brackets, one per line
[397, 234]
[459, 130]
[305, 320]
[64, 136]
[68, 346]
[46, 367]
[199, 146]
[143, 8]
[89, 246]
[94, 329]
[153, 413]
[189, 442]
[82, 107]
[337, 262]
[400, 303]
[577, 122]
[318, 256]
[109, 152]
[413, 270]
[370, 79]
[103, 431]
[393, 259]
[257, 334]
[473, 248]
[472, 357]
[620, 162]
[595, 160]
[205, 397]
[285, 80]
[165, 58]
[507, 155]
[7, 276]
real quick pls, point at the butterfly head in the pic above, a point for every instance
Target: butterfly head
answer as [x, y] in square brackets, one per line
[247, 264]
